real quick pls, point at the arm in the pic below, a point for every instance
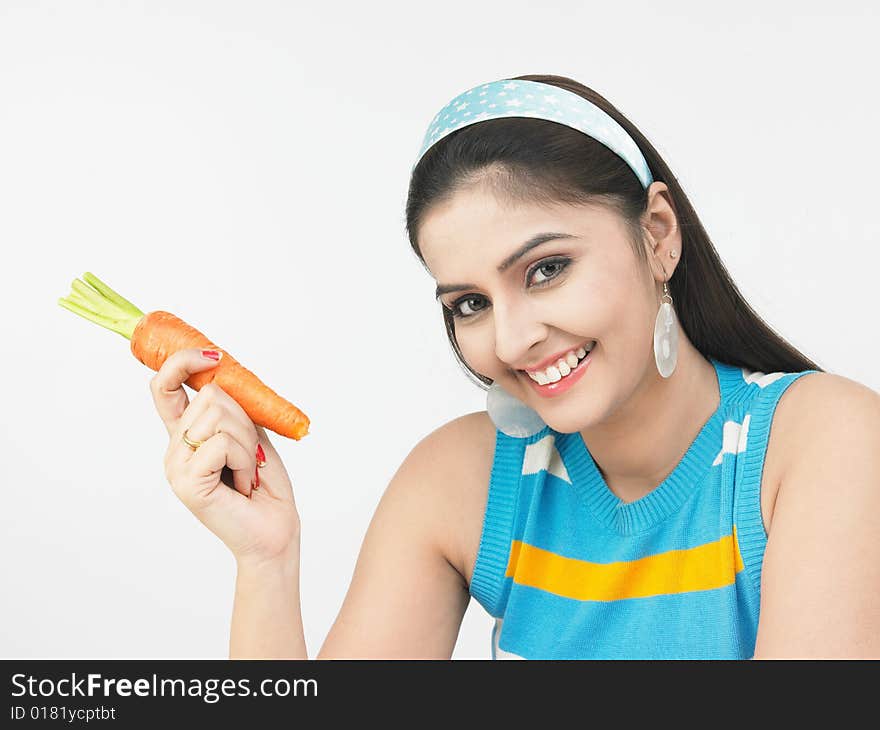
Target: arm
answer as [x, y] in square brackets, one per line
[266, 613]
[820, 585]
[406, 600]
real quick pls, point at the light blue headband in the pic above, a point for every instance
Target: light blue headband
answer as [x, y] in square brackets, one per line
[520, 98]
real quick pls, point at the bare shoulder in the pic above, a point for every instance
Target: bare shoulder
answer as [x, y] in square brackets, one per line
[817, 412]
[823, 550]
[815, 400]
[458, 455]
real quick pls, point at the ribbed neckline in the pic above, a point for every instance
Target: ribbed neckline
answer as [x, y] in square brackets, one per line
[627, 518]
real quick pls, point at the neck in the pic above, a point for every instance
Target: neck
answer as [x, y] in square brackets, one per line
[643, 442]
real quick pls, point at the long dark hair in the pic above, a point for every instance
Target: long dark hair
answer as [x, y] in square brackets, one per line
[542, 161]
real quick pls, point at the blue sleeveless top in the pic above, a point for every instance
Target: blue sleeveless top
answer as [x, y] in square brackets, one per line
[570, 571]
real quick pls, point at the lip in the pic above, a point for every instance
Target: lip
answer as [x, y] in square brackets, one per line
[553, 359]
[569, 381]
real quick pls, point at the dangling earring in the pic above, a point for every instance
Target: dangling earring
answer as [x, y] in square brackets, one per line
[666, 333]
[510, 415]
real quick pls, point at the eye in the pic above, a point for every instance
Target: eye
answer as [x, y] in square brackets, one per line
[556, 267]
[457, 313]
[550, 264]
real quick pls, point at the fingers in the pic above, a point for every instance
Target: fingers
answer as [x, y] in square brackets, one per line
[202, 471]
[265, 445]
[274, 478]
[214, 410]
[203, 419]
[209, 408]
[167, 385]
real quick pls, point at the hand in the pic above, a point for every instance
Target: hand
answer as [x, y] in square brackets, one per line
[216, 481]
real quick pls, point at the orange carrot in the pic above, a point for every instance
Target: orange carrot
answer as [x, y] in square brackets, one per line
[157, 335]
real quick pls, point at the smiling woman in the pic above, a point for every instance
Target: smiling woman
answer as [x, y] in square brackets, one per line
[657, 473]
[628, 500]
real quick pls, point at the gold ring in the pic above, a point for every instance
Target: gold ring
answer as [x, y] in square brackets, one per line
[192, 444]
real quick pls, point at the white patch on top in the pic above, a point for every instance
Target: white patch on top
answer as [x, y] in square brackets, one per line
[543, 454]
[735, 438]
[763, 380]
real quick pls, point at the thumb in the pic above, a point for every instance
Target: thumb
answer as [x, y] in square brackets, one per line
[166, 386]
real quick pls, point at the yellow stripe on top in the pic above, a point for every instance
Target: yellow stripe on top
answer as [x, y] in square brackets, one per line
[700, 568]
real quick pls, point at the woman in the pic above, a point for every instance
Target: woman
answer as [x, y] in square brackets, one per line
[624, 495]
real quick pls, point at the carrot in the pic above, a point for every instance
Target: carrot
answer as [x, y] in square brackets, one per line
[157, 335]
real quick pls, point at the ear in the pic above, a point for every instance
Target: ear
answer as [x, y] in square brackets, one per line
[664, 237]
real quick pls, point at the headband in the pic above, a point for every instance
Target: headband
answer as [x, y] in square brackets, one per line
[520, 98]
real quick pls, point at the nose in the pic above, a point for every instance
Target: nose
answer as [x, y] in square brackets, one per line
[517, 331]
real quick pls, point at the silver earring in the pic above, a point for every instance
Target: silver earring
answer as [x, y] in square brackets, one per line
[510, 415]
[666, 335]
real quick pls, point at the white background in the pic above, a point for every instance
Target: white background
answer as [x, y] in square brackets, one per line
[245, 166]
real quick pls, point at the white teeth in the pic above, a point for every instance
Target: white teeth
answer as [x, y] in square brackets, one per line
[563, 366]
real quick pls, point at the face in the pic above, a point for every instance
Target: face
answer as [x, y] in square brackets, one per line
[558, 296]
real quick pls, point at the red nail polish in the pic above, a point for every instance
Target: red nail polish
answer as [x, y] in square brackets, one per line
[261, 456]
[211, 354]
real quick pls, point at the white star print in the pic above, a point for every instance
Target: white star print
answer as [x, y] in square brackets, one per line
[544, 455]
[734, 439]
[760, 378]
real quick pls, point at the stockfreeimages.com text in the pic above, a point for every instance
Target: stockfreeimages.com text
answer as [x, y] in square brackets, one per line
[96, 685]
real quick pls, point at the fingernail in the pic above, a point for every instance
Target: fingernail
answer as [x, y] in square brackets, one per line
[257, 478]
[212, 354]
[261, 455]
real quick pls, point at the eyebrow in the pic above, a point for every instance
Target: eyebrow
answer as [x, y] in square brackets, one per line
[534, 241]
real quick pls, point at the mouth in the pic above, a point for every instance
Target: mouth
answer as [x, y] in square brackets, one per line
[563, 382]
